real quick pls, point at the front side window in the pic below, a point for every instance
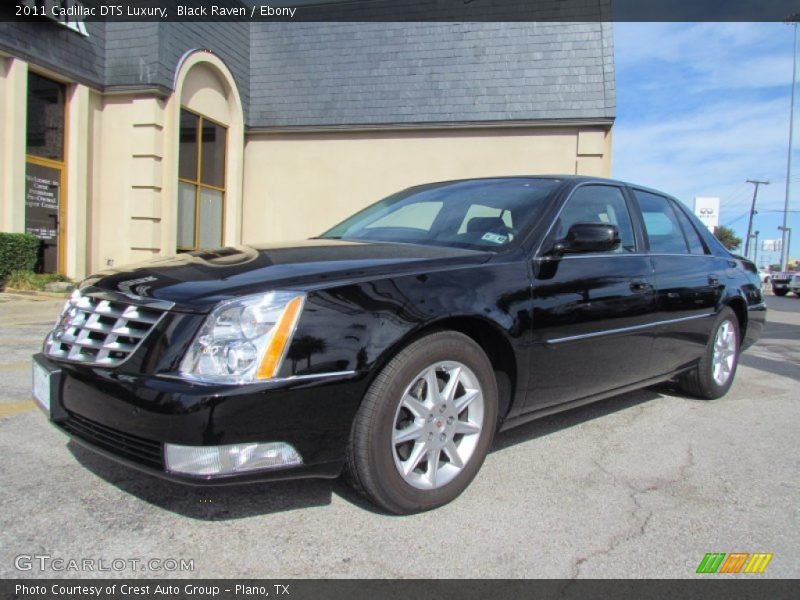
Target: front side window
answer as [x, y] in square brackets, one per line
[597, 204]
[484, 214]
[661, 224]
[201, 182]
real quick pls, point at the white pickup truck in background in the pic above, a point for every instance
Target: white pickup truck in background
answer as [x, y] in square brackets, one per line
[794, 284]
[781, 282]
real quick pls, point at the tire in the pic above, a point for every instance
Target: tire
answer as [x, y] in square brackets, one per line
[398, 474]
[713, 375]
[779, 292]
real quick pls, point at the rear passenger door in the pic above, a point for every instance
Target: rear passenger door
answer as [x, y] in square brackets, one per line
[687, 281]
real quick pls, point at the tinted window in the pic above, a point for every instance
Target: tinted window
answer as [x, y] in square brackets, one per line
[477, 211]
[45, 131]
[416, 216]
[663, 231]
[598, 204]
[187, 168]
[695, 243]
[482, 214]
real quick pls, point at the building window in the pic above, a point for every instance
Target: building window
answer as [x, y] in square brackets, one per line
[45, 169]
[45, 128]
[201, 182]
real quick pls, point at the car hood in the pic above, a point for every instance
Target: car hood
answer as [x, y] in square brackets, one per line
[197, 281]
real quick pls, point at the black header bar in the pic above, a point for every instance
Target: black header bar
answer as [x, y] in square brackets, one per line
[77, 11]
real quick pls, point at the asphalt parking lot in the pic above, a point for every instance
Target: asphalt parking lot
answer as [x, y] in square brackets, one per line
[641, 485]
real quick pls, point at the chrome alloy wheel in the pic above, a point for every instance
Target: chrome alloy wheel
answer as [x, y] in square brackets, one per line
[724, 357]
[437, 425]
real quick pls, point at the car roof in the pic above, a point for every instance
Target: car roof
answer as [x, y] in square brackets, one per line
[562, 177]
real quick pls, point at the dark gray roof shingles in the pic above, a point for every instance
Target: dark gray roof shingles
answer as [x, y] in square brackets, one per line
[354, 74]
[321, 74]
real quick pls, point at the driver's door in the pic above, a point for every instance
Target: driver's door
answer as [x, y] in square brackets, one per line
[591, 312]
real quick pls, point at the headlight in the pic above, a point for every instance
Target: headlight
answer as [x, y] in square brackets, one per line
[244, 340]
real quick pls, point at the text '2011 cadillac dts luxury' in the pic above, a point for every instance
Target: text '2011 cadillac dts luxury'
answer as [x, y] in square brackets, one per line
[395, 345]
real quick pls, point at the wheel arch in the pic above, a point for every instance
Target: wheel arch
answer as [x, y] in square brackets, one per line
[739, 307]
[487, 335]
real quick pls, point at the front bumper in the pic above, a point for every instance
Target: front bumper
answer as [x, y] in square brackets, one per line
[130, 418]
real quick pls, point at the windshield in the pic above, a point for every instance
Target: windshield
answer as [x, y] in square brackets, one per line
[485, 214]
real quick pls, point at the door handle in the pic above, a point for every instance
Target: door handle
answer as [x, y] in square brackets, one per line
[639, 287]
[713, 280]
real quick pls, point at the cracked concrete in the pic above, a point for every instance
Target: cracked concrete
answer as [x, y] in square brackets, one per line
[641, 485]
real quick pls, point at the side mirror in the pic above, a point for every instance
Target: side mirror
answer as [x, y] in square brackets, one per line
[589, 237]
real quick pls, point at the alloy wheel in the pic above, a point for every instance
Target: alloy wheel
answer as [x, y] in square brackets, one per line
[437, 425]
[724, 356]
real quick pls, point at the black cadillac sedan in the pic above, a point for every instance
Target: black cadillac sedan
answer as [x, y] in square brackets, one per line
[395, 345]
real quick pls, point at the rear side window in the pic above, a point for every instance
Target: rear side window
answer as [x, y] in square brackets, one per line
[696, 245]
[661, 224]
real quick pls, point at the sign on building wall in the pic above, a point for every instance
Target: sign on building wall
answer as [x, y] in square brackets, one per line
[42, 198]
[707, 210]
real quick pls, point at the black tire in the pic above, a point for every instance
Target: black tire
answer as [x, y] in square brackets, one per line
[700, 382]
[371, 455]
[779, 292]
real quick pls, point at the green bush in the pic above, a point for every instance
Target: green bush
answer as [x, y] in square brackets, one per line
[18, 252]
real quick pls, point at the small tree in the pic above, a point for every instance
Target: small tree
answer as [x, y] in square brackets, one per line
[728, 237]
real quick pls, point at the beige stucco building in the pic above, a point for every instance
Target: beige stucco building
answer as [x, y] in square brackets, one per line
[128, 141]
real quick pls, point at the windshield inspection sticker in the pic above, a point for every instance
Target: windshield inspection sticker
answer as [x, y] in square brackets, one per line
[494, 238]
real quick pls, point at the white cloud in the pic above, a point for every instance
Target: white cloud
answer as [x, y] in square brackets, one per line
[704, 106]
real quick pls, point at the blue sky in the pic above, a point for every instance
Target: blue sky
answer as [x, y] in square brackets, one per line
[702, 107]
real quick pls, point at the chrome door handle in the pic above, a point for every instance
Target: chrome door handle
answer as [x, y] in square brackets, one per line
[638, 287]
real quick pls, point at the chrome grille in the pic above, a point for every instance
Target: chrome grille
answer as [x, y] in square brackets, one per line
[100, 329]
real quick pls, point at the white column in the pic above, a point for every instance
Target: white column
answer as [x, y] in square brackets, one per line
[13, 117]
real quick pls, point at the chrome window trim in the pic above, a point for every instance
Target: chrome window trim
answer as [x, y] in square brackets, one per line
[594, 334]
[620, 186]
[618, 255]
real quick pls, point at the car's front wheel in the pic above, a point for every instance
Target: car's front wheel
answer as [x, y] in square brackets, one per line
[714, 373]
[425, 424]
[779, 292]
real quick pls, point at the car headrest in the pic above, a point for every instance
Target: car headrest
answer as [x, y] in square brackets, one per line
[484, 224]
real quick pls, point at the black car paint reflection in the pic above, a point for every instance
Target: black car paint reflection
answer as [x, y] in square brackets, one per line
[559, 331]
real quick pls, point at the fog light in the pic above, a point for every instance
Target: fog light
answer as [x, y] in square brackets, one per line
[229, 460]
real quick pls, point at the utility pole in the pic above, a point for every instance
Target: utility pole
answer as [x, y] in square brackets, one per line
[756, 183]
[755, 249]
[792, 20]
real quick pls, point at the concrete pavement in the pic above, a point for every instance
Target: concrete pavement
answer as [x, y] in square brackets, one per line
[642, 485]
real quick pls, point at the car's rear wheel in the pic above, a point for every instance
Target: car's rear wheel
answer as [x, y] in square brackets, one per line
[714, 373]
[425, 424]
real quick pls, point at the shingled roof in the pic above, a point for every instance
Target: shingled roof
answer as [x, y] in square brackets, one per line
[345, 74]
[369, 74]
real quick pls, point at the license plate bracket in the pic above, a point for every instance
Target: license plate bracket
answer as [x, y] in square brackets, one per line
[45, 381]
